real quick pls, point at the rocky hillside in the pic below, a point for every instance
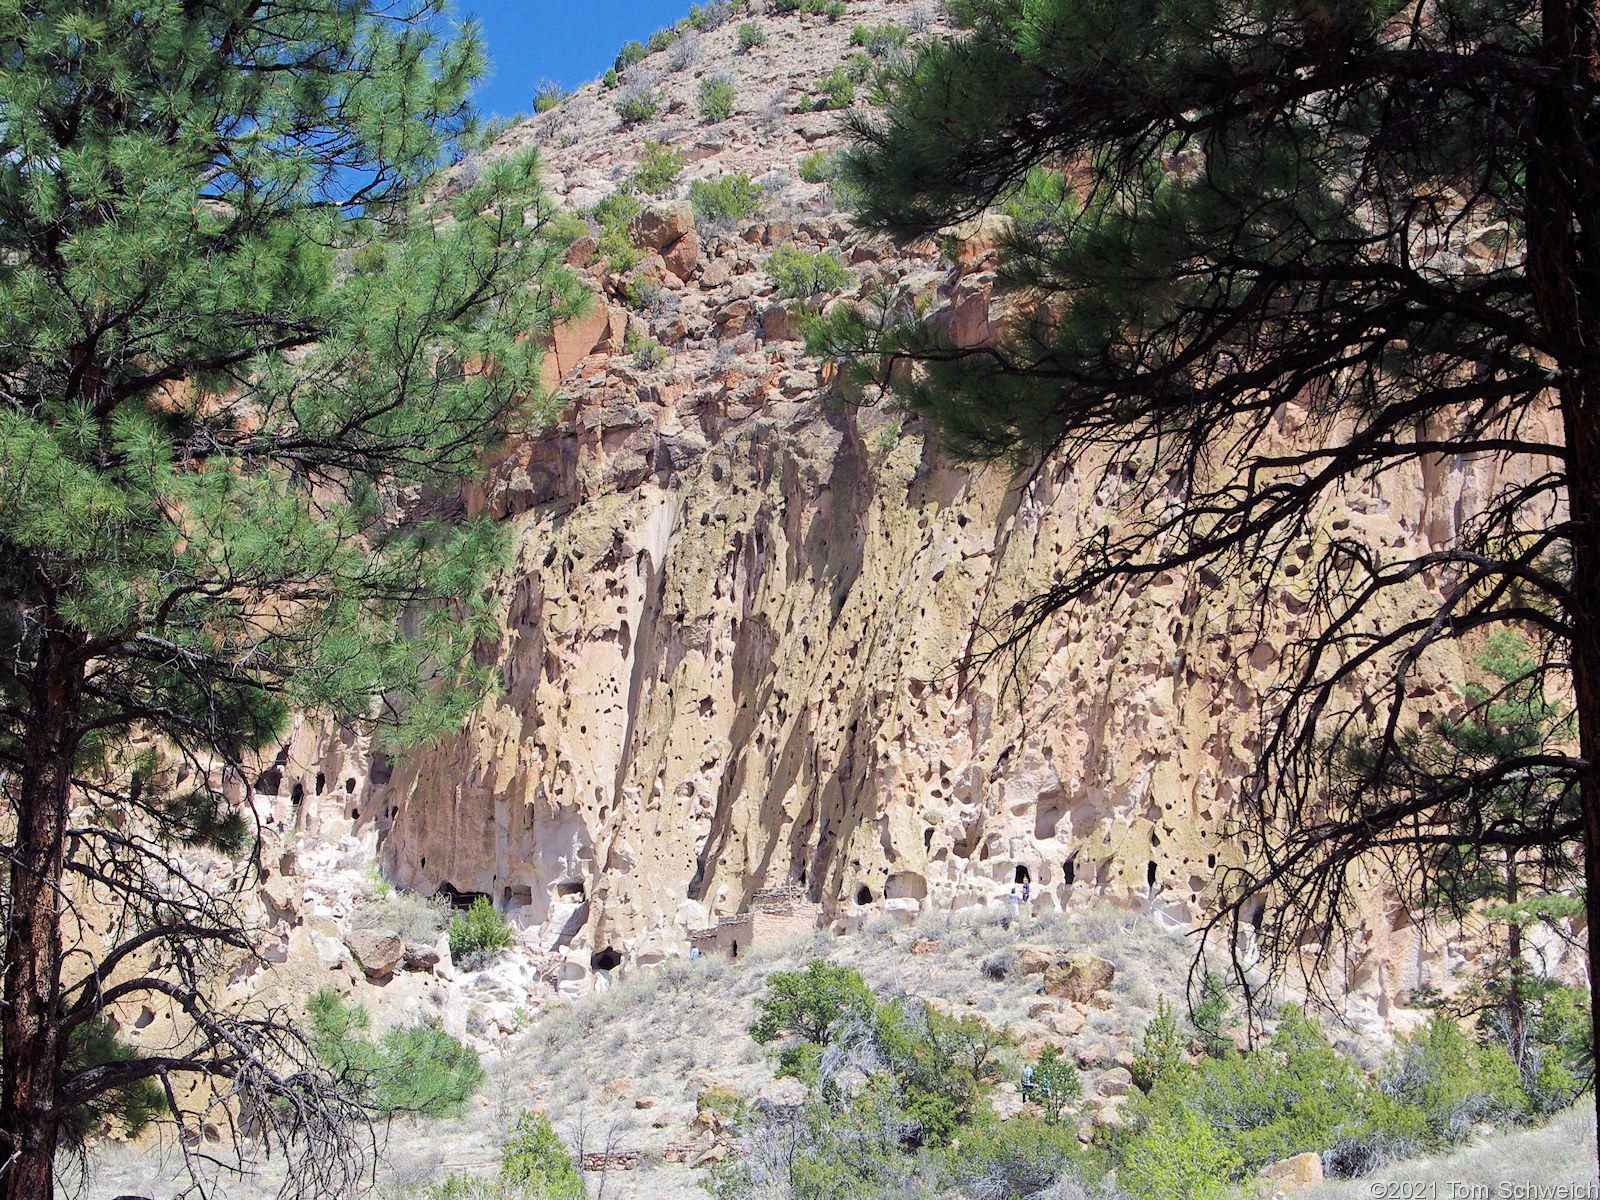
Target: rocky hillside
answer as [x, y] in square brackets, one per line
[728, 633]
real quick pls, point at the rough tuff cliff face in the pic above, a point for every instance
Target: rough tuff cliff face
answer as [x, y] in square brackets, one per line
[729, 632]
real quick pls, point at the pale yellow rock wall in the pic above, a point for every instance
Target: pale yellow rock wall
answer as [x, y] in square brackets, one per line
[729, 633]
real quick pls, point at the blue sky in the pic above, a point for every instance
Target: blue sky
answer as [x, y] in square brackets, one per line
[569, 41]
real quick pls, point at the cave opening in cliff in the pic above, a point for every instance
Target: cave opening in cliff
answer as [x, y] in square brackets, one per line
[605, 960]
[863, 895]
[1150, 873]
[733, 949]
[1022, 875]
[1069, 871]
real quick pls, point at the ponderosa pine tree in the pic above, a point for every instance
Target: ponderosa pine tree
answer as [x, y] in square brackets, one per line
[1381, 218]
[239, 351]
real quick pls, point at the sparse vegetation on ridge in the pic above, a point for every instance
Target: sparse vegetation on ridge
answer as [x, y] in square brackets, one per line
[800, 273]
[717, 95]
[726, 200]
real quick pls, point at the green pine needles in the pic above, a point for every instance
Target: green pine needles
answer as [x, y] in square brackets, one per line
[236, 346]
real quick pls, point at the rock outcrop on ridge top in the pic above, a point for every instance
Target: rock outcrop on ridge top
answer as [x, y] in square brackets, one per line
[728, 633]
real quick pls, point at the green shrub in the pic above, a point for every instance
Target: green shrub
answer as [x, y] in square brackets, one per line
[611, 79]
[659, 168]
[1179, 1157]
[614, 215]
[858, 67]
[1055, 1085]
[643, 293]
[711, 16]
[833, 90]
[647, 352]
[630, 53]
[731, 198]
[751, 35]
[637, 103]
[536, 1164]
[1453, 1082]
[717, 95]
[799, 273]
[548, 94]
[783, 7]
[661, 39]
[1160, 1053]
[420, 1069]
[1299, 1094]
[1210, 1017]
[816, 166]
[881, 40]
[1020, 1157]
[802, 1007]
[478, 933]
[565, 228]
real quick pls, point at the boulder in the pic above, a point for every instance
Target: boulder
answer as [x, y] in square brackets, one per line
[683, 255]
[1068, 1022]
[1037, 1009]
[420, 957]
[780, 324]
[1093, 1056]
[925, 945]
[660, 225]
[1292, 1174]
[980, 237]
[1109, 1116]
[281, 898]
[714, 1153]
[378, 951]
[572, 340]
[581, 252]
[1034, 960]
[1079, 978]
[1118, 1081]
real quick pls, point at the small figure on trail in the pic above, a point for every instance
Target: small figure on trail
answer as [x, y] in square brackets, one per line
[1027, 886]
[1027, 1078]
[1013, 903]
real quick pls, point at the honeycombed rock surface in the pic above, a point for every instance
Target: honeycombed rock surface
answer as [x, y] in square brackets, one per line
[729, 630]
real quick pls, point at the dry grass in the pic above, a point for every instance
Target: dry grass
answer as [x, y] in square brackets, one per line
[671, 1031]
[1561, 1152]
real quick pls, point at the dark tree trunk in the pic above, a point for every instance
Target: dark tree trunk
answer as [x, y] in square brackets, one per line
[1563, 223]
[1583, 465]
[32, 1044]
